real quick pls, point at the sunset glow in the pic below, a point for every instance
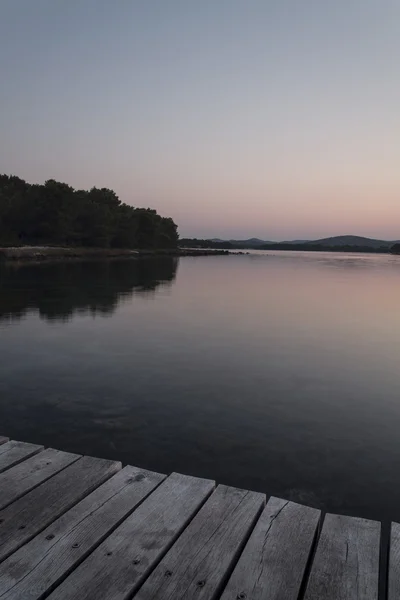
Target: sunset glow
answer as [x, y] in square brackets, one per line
[274, 119]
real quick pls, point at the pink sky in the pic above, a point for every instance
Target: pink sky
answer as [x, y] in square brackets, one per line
[270, 119]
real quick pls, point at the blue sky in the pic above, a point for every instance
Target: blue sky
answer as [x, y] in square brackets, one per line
[277, 119]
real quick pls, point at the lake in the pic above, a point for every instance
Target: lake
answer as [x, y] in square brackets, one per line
[273, 371]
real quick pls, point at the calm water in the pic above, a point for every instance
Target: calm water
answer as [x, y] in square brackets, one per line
[277, 372]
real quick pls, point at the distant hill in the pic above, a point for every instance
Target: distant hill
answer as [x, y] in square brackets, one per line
[352, 240]
[339, 240]
[346, 243]
[252, 242]
[295, 242]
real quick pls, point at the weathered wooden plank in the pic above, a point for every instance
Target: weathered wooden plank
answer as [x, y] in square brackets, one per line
[36, 568]
[346, 563]
[199, 562]
[274, 560]
[29, 515]
[3, 440]
[16, 446]
[123, 560]
[25, 476]
[12, 453]
[394, 563]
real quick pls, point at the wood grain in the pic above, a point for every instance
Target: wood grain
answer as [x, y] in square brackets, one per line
[36, 568]
[273, 563]
[118, 566]
[346, 563]
[12, 453]
[29, 515]
[394, 563]
[25, 476]
[199, 563]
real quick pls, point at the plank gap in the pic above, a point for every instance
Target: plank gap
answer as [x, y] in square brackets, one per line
[28, 474]
[236, 557]
[384, 558]
[33, 512]
[142, 535]
[13, 453]
[307, 571]
[37, 568]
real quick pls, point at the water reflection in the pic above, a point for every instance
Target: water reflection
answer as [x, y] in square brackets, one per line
[58, 291]
[277, 373]
[336, 260]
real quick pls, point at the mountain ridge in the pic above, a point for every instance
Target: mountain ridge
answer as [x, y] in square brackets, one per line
[334, 241]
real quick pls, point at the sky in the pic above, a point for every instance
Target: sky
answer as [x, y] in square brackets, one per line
[277, 119]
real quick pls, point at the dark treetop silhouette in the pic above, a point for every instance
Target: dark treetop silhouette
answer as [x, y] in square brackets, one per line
[55, 213]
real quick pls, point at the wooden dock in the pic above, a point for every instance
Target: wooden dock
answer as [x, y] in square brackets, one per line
[76, 527]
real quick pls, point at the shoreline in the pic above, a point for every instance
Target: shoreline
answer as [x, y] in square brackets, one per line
[45, 253]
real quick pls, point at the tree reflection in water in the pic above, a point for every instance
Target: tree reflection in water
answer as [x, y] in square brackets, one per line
[60, 290]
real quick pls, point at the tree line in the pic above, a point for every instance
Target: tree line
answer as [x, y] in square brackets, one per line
[56, 214]
[304, 247]
[198, 243]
